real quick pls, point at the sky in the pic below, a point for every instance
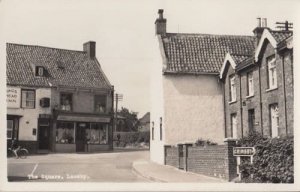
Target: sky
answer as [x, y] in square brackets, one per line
[124, 31]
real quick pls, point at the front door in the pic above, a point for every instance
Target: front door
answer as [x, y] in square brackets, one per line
[180, 154]
[43, 133]
[80, 137]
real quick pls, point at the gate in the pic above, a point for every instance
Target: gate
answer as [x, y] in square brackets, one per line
[180, 154]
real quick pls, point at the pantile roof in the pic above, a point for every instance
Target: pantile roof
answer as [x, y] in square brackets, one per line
[281, 35]
[203, 53]
[64, 67]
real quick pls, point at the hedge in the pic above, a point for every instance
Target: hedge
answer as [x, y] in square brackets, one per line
[131, 138]
[273, 161]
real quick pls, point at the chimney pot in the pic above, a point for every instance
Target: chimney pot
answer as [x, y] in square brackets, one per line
[90, 48]
[258, 22]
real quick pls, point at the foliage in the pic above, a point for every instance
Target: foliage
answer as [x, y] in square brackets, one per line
[131, 119]
[203, 142]
[123, 139]
[273, 161]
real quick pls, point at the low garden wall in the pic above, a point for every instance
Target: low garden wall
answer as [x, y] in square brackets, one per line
[215, 160]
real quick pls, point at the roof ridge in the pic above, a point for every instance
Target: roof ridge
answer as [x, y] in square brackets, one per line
[26, 45]
[206, 34]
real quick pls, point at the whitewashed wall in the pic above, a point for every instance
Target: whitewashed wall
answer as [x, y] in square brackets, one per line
[29, 119]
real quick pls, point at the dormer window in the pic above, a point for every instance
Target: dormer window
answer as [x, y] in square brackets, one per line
[39, 71]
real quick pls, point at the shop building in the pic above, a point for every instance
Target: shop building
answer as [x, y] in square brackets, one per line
[58, 100]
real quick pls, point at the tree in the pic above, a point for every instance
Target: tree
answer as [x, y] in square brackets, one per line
[131, 120]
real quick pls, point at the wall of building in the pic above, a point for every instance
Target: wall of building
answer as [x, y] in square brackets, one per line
[29, 119]
[232, 107]
[272, 96]
[252, 102]
[82, 100]
[157, 103]
[193, 108]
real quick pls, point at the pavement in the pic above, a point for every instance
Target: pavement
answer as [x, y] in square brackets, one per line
[116, 166]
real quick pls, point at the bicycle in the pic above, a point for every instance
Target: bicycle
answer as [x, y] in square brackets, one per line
[20, 152]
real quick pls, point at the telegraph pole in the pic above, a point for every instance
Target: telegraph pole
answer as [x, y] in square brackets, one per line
[118, 97]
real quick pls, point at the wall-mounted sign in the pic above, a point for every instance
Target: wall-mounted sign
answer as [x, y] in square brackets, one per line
[243, 151]
[13, 97]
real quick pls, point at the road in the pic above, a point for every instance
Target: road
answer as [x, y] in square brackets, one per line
[101, 167]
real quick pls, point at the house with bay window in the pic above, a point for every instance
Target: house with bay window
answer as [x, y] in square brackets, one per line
[58, 100]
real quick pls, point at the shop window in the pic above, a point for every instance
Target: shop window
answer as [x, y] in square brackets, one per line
[232, 88]
[28, 99]
[66, 101]
[100, 103]
[65, 132]
[97, 133]
[250, 85]
[272, 74]
[10, 127]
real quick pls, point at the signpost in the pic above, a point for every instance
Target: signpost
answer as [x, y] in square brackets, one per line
[243, 152]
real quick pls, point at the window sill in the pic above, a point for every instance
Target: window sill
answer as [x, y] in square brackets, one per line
[249, 96]
[271, 89]
[231, 102]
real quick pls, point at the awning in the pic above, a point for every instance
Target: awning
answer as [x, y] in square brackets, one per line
[83, 119]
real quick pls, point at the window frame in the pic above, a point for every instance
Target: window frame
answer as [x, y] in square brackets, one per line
[11, 129]
[271, 67]
[60, 100]
[231, 125]
[160, 128]
[251, 116]
[105, 103]
[22, 100]
[232, 88]
[152, 132]
[250, 86]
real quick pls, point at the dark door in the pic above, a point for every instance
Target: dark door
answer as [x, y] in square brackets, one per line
[180, 154]
[43, 133]
[80, 137]
[251, 120]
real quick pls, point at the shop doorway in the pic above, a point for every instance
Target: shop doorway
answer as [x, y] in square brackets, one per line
[80, 137]
[43, 133]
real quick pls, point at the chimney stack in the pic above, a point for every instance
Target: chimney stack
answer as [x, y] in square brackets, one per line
[261, 25]
[90, 49]
[160, 23]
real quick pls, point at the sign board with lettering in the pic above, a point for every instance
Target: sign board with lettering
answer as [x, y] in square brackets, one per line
[13, 97]
[243, 151]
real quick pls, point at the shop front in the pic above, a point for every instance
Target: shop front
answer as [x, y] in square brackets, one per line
[82, 134]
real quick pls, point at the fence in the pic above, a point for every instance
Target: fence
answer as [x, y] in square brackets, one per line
[215, 160]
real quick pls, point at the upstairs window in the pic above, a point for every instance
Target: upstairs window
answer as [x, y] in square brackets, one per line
[250, 84]
[272, 74]
[39, 71]
[66, 101]
[28, 99]
[100, 103]
[232, 88]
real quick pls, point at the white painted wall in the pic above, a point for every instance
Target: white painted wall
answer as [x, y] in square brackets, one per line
[156, 110]
[29, 119]
[193, 108]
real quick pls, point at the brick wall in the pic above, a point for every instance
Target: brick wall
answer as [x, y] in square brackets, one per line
[216, 161]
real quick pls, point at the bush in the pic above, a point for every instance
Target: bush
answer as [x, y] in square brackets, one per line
[273, 161]
[203, 142]
[131, 138]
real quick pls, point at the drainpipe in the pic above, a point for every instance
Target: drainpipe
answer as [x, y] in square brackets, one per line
[224, 102]
[241, 107]
[260, 102]
[284, 95]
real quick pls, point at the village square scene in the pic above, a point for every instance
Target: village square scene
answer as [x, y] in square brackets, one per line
[149, 93]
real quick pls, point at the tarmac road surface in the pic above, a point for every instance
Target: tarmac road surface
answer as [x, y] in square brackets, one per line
[98, 167]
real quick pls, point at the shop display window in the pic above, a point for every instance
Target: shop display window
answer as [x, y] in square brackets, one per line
[65, 132]
[97, 134]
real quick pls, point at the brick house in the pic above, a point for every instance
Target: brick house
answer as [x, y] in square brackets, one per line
[258, 88]
[187, 97]
[58, 100]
